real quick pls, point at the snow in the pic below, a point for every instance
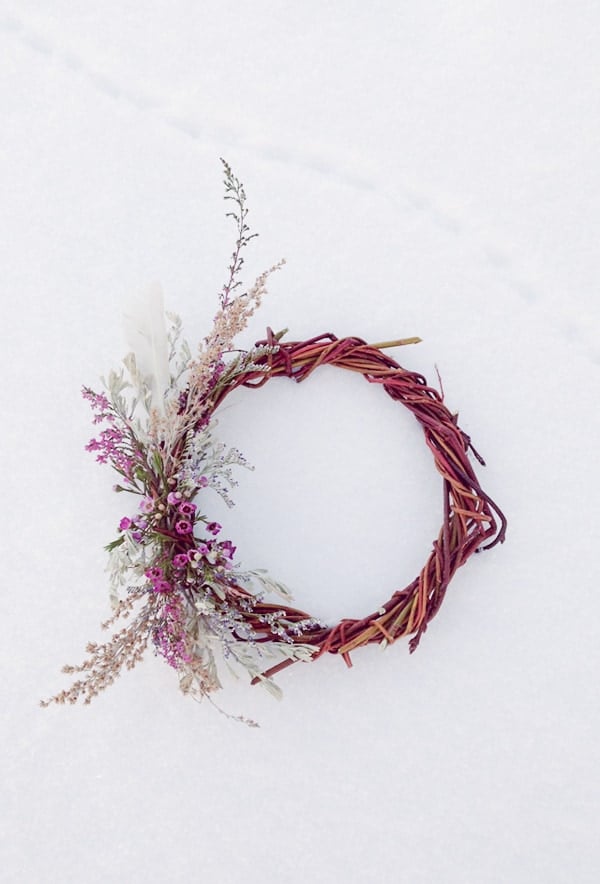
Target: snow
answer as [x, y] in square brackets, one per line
[426, 169]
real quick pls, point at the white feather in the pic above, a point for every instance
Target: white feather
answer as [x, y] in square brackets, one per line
[146, 334]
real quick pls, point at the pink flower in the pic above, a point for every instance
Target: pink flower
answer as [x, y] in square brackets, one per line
[174, 497]
[181, 560]
[98, 400]
[202, 482]
[146, 505]
[228, 549]
[186, 508]
[124, 524]
[213, 527]
[169, 638]
[183, 527]
[154, 573]
[162, 586]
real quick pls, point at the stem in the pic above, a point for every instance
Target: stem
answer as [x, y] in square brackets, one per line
[399, 343]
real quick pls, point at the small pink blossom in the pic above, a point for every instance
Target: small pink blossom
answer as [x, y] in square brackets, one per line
[154, 573]
[124, 524]
[98, 400]
[213, 527]
[174, 497]
[228, 549]
[146, 505]
[183, 526]
[202, 482]
[181, 560]
[162, 586]
[186, 508]
[169, 638]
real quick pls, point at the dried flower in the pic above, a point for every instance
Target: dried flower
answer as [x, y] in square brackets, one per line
[158, 436]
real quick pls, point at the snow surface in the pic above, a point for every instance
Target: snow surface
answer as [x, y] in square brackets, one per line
[426, 168]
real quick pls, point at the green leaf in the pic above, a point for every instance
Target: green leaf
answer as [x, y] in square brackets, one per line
[157, 462]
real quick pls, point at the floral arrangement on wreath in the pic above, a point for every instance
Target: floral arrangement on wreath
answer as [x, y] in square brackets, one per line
[173, 578]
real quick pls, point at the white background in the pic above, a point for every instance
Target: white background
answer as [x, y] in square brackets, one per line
[426, 168]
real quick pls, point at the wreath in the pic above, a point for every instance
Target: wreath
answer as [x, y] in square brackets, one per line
[173, 578]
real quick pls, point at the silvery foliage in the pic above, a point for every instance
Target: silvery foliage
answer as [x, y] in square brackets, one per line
[207, 461]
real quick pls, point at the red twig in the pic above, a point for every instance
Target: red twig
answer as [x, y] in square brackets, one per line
[472, 521]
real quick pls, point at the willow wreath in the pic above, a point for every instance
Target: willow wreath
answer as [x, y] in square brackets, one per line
[172, 576]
